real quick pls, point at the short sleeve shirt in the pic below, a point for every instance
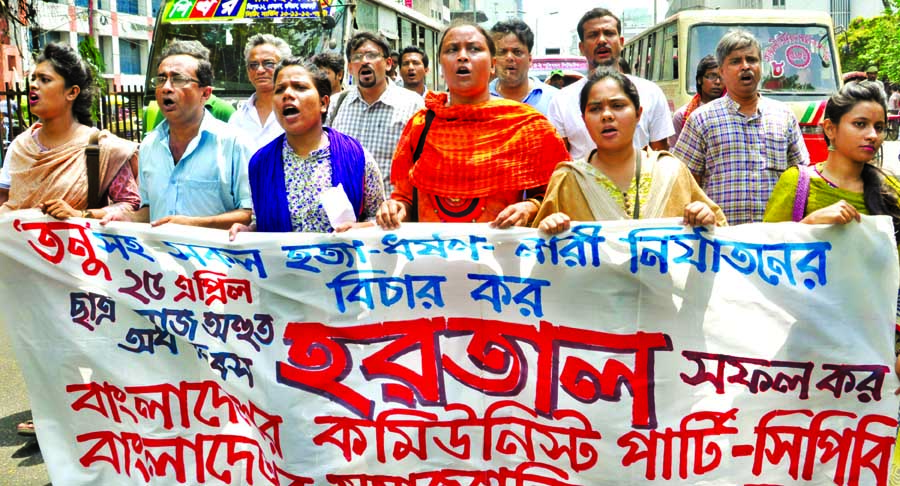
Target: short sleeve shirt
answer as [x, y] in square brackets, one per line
[258, 133]
[210, 178]
[738, 158]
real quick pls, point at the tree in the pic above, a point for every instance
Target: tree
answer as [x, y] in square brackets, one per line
[94, 59]
[873, 41]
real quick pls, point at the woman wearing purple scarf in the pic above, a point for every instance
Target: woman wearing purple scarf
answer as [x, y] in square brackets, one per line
[290, 175]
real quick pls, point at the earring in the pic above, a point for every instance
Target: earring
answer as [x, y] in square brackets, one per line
[830, 147]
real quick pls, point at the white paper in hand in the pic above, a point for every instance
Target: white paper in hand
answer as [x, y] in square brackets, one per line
[337, 206]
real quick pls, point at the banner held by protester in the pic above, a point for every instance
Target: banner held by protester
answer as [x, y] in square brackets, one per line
[618, 352]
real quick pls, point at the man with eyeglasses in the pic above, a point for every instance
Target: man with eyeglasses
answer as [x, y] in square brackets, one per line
[601, 42]
[192, 167]
[514, 41]
[376, 110]
[709, 87]
[254, 118]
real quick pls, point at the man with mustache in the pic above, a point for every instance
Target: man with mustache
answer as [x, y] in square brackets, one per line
[514, 41]
[376, 110]
[413, 69]
[192, 167]
[601, 42]
[738, 145]
[255, 118]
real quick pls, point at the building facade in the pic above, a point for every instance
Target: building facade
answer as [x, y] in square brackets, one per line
[842, 11]
[122, 30]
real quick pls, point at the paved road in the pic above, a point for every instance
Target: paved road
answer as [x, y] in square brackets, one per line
[21, 462]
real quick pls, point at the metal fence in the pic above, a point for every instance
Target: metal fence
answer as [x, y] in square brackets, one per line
[120, 112]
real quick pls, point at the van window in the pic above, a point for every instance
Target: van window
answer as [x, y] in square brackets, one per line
[652, 71]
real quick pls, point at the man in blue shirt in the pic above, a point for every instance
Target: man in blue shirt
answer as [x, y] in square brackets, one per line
[192, 167]
[514, 41]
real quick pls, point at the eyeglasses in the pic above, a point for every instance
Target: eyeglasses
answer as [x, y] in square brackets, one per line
[177, 80]
[712, 77]
[368, 56]
[267, 65]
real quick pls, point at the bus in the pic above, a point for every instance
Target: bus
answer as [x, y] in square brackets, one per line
[799, 63]
[308, 26]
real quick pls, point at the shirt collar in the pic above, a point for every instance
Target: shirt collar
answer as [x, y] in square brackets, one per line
[389, 97]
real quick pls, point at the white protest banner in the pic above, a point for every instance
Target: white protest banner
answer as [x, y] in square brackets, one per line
[617, 353]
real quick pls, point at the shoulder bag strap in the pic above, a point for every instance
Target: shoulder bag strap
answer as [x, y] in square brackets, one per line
[92, 159]
[802, 193]
[429, 117]
[340, 101]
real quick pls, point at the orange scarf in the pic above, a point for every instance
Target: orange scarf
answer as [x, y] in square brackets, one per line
[60, 173]
[478, 150]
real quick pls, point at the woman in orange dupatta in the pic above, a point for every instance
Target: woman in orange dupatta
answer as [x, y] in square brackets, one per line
[45, 167]
[483, 159]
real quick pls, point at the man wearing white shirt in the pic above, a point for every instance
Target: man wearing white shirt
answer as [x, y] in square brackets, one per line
[601, 42]
[254, 118]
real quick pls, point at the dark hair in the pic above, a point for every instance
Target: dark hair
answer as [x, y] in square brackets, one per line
[414, 50]
[462, 23]
[319, 78]
[624, 67]
[596, 13]
[516, 27]
[708, 62]
[880, 197]
[361, 38]
[329, 60]
[68, 64]
[196, 50]
[602, 73]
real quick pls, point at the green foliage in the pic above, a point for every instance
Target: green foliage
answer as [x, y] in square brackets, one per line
[91, 55]
[874, 40]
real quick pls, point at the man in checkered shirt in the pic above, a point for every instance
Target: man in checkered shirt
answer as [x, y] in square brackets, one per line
[376, 110]
[738, 145]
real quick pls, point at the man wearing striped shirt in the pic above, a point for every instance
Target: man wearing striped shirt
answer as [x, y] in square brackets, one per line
[738, 145]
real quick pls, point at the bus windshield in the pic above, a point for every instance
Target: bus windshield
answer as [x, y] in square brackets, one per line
[226, 36]
[797, 60]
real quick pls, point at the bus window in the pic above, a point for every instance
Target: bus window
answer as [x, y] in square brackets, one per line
[796, 59]
[669, 54]
[639, 62]
[652, 72]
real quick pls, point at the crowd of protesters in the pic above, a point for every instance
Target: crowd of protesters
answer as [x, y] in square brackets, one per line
[497, 147]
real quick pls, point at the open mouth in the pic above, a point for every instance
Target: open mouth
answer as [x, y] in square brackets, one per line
[168, 103]
[463, 70]
[32, 98]
[290, 111]
[603, 51]
[366, 72]
[746, 76]
[609, 131]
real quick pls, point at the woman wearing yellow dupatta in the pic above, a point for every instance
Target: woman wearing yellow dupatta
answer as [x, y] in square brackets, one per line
[618, 181]
[45, 167]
